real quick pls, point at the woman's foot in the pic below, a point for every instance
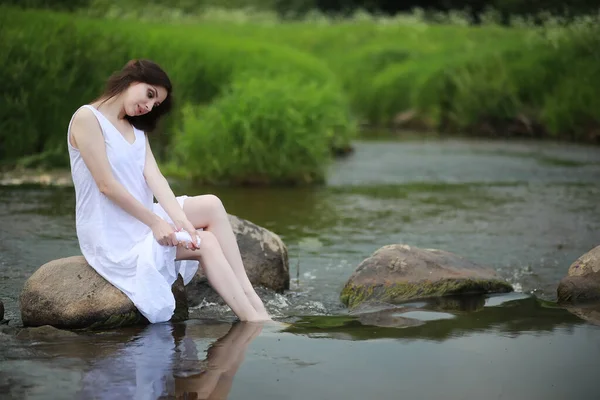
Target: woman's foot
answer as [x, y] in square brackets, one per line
[261, 318]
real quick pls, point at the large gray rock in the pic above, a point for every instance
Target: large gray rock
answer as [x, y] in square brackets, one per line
[397, 273]
[582, 283]
[68, 293]
[265, 258]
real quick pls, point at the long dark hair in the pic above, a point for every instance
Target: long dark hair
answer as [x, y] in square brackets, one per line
[144, 71]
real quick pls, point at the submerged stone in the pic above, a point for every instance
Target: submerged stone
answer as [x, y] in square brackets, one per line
[587, 312]
[398, 273]
[45, 332]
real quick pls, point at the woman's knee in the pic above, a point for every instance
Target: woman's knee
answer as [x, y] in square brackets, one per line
[209, 244]
[212, 202]
[204, 210]
[209, 206]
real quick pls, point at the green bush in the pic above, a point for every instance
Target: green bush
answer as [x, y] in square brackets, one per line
[389, 69]
[263, 129]
[361, 70]
[47, 70]
[571, 107]
[547, 78]
[58, 63]
[49, 4]
[472, 89]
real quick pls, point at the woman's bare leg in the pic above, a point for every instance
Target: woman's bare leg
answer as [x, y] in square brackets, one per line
[220, 275]
[208, 212]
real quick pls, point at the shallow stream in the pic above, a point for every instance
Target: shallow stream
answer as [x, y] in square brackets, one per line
[527, 209]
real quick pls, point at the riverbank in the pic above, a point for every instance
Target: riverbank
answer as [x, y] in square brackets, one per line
[18, 177]
[278, 99]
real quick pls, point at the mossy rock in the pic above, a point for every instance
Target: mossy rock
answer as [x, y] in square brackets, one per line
[399, 273]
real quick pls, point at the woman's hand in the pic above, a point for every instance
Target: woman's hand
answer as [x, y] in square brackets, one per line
[164, 233]
[187, 226]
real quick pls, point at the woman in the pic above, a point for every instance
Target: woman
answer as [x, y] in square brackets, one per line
[124, 236]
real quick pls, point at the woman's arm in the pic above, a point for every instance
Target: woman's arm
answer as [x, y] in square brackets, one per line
[164, 194]
[88, 138]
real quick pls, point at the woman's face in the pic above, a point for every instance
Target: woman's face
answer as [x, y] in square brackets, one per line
[141, 98]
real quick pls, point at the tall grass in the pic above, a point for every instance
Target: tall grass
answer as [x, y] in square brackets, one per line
[450, 75]
[59, 63]
[456, 77]
[263, 129]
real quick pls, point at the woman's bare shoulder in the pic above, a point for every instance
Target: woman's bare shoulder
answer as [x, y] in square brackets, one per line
[83, 116]
[84, 120]
[84, 124]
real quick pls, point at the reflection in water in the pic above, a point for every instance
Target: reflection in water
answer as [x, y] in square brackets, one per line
[588, 312]
[162, 362]
[517, 315]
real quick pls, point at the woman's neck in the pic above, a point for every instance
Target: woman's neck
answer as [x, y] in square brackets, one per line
[112, 107]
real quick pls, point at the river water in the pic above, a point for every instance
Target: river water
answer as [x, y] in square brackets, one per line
[527, 209]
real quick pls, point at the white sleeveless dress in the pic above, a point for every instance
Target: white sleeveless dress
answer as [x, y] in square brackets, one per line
[117, 245]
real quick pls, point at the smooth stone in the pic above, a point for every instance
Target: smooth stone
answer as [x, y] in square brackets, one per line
[399, 273]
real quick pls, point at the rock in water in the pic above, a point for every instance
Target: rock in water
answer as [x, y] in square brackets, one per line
[265, 259]
[397, 273]
[45, 332]
[69, 293]
[587, 312]
[582, 283]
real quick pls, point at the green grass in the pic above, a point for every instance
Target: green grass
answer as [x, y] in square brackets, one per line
[263, 129]
[454, 76]
[59, 63]
[237, 76]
